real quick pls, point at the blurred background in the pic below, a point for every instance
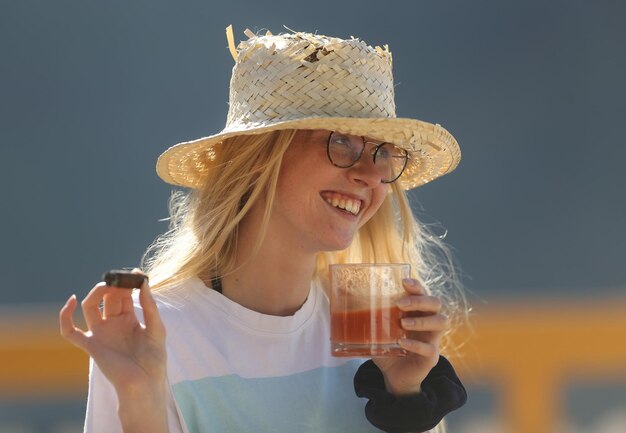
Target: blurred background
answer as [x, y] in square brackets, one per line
[534, 91]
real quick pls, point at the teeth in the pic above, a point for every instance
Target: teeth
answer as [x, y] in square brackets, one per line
[352, 206]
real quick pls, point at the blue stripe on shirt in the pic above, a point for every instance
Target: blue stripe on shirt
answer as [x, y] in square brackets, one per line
[320, 400]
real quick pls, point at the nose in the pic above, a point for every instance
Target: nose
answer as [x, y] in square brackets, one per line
[364, 171]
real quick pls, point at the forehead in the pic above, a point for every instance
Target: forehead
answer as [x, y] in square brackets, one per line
[314, 134]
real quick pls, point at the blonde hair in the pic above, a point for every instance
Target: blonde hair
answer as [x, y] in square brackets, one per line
[202, 237]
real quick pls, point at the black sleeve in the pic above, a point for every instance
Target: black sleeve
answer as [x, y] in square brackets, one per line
[442, 392]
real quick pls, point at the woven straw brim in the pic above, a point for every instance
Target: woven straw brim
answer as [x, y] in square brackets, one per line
[433, 150]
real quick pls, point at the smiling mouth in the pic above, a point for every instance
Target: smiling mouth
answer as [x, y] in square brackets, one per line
[345, 203]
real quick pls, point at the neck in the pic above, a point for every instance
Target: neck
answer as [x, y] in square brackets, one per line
[270, 287]
[276, 280]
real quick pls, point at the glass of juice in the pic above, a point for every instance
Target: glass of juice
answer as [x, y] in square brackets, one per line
[364, 318]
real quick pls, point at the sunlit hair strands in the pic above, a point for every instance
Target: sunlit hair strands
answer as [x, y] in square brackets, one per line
[311, 170]
[202, 239]
[204, 222]
[229, 172]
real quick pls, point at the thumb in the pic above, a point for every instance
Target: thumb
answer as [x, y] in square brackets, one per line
[151, 315]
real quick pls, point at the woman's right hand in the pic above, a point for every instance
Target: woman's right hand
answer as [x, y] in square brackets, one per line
[131, 355]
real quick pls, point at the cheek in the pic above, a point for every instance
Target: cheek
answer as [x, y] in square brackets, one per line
[299, 162]
[378, 197]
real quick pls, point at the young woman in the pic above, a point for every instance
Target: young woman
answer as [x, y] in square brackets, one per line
[311, 169]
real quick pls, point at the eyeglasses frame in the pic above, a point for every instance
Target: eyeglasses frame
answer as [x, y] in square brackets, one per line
[377, 147]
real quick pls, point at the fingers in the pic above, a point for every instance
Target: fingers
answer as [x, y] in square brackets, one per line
[435, 323]
[91, 305]
[151, 315]
[413, 286]
[422, 303]
[119, 301]
[127, 304]
[425, 330]
[68, 330]
[118, 313]
[422, 348]
[114, 302]
[423, 320]
[417, 298]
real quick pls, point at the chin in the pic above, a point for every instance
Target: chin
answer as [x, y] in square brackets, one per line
[336, 245]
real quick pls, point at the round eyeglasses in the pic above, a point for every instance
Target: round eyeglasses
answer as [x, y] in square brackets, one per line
[345, 150]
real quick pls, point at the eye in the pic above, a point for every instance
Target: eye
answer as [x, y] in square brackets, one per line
[389, 151]
[341, 140]
[384, 152]
[343, 143]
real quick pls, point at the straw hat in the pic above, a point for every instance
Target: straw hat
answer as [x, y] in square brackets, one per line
[308, 81]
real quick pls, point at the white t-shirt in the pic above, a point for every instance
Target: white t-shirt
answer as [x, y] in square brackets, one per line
[231, 369]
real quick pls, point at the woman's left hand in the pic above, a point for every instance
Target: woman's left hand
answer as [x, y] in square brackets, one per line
[425, 327]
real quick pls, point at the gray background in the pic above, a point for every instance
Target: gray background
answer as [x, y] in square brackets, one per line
[92, 92]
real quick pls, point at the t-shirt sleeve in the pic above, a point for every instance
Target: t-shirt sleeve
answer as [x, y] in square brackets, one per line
[442, 392]
[101, 416]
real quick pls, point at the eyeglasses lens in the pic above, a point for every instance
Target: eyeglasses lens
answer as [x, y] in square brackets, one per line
[344, 151]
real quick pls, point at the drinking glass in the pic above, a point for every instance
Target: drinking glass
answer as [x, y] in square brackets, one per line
[364, 318]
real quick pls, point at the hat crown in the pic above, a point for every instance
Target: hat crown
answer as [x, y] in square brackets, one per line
[286, 77]
[306, 81]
